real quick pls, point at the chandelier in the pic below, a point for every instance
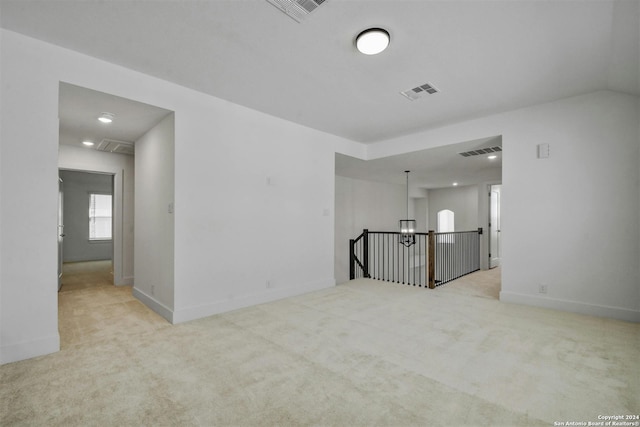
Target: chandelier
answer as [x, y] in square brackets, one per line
[407, 226]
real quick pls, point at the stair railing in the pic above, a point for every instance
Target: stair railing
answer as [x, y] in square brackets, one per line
[435, 258]
[358, 256]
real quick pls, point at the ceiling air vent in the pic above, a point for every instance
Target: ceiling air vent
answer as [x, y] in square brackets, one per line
[297, 9]
[420, 91]
[115, 146]
[481, 151]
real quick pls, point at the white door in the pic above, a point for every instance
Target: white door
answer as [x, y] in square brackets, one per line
[60, 230]
[494, 226]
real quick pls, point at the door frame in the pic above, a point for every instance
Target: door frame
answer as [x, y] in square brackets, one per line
[60, 228]
[484, 189]
[117, 256]
[491, 226]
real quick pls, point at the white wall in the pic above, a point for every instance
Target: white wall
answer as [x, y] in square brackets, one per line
[77, 187]
[580, 204]
[254, 209]
[556, 211]
[462, 201]
[363, 204]
[29, 167]
[422, 213]
[154, 235]
[122, 168]
[260, 228]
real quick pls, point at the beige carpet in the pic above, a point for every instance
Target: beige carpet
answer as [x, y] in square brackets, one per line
[91, 309]
[362, 354]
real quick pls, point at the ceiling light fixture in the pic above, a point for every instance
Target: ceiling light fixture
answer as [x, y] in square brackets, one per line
[455, 184]
[87, 143]
[106, 117]
[373, 41]
[491, 157]
[407, 226]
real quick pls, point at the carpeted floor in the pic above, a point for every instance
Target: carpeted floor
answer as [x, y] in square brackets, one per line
[92, 310]
[361, 354]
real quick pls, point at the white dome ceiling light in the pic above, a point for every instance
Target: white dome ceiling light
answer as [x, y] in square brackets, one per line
[373, 41]
[106, 117]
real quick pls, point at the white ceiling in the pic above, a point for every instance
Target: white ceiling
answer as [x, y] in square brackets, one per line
[484, 56]
[437, 167]
[79, 108]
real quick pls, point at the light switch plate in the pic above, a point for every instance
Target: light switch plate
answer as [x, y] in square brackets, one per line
[543, 151]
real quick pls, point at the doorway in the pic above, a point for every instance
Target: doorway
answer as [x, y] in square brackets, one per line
[97, 294]
[86, 220]
[495, 232]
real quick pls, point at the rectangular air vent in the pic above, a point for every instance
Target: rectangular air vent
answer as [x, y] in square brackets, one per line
[297, 9]
[419, 91]
[115, 146]
[481, 151]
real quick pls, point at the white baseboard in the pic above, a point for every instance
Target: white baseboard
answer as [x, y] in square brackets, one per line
[572, 306]
[28, 349]
[85, 259]
[198, 312]
[125, 281]
[154, 305]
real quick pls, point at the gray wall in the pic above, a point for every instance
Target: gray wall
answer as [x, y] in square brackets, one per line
[462, 201]
[363, 204]
[154, 232]
[77, 187]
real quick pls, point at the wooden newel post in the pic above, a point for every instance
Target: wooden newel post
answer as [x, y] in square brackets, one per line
[431, 259]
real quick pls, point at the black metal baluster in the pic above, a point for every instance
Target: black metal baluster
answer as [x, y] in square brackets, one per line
[387, 242]
[413, 262]
[449, 257]
[395, 258]
[403, 261]
[378, 257]
[420, 261]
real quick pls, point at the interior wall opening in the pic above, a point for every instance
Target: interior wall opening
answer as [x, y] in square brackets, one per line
[96, 293]
[87, 222]
[370, 193]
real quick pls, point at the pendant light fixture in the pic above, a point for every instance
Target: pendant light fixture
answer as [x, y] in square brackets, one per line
[407, 226]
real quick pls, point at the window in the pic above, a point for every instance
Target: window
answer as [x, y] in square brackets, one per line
[445, 221]
[100, 216]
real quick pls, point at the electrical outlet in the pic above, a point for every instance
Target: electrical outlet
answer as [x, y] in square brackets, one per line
[542, 289]
[269, 284]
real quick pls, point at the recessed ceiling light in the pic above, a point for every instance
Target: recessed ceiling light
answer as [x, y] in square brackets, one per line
[372, 41]
[87, 143]
[106, 117]
[455, 184]
[491, 157]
